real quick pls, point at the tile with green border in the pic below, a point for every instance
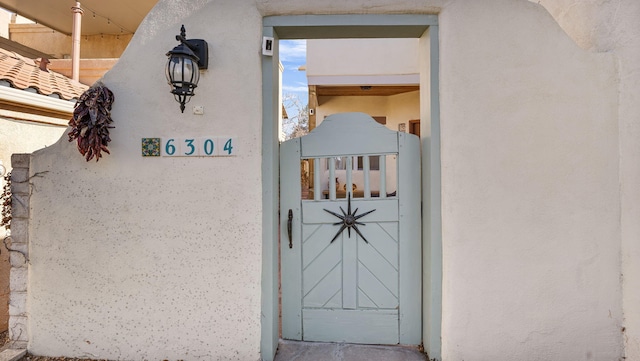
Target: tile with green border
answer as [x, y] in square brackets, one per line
[150, 147]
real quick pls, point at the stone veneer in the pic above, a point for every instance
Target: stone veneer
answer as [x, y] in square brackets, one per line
[19, 250]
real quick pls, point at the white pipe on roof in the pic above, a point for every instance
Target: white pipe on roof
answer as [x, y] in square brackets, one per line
[75, 45]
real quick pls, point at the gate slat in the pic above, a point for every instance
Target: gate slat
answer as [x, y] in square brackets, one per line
[349, 184]
[383, 176]
[316, 179]
[365, 169]
[332, 178]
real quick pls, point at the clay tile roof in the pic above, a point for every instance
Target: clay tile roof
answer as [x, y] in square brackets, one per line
[25, 73]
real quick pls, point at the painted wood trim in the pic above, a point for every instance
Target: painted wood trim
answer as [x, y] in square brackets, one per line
[332, 179]
[291, 264]
[366, 169]
[351, 127]
[316, 179]
[401, 79]
[270, 203]
[432, 186]
[383, 175]
[386, 210]
[337, 326]
[411, 239]
[399, 20]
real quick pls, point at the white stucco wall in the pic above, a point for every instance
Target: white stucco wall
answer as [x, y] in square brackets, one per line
[530, 189]
[157, 258]
[160, 257]
[613, 27]
[330, 60]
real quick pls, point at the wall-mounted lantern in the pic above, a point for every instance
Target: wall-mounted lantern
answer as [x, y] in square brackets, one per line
[184, 65]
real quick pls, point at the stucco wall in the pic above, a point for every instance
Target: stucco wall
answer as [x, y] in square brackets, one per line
[160, 257]
[530, 189]
[612, 26]
[157, 258]
[364, 57]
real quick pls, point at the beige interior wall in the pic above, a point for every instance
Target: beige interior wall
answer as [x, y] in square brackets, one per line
[373, 106]
[402, 108]
[398, 108]
[58, 45]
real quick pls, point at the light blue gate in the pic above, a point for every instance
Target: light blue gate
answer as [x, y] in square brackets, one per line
[351, 246]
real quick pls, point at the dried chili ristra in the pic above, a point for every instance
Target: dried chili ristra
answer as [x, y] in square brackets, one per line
[91, 122]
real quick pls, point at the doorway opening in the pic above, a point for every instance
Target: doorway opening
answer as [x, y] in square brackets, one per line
[421, 27]
[321, 77]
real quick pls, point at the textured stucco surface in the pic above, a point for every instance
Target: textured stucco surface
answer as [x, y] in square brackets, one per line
[530, 189]
[160, 258]
[157, 258]
[613, 26]
[362, 57]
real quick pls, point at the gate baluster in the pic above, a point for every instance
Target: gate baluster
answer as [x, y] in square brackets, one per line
[383, 176]
[317, 192]
[349, 184]
[365, 172]
[332, 178]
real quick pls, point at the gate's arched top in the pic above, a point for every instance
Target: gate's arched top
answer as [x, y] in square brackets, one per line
[346, 130]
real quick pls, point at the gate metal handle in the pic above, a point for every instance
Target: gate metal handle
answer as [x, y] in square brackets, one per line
[289, 221]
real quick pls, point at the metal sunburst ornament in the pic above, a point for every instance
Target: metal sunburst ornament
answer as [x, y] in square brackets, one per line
[349, 220]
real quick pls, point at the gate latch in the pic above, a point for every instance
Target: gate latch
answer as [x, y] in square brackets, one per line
[289, 221]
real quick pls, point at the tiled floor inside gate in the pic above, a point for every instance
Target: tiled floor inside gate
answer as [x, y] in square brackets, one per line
[321, 351]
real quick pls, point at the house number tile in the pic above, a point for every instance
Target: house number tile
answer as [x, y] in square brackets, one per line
[150, 147]
[220, 146]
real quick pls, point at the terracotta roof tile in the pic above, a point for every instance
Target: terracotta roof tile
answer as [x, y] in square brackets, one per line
[25, 73]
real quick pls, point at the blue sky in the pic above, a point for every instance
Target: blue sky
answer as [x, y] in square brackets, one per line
[293, 54]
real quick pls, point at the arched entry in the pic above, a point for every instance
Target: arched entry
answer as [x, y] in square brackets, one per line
[356, 26]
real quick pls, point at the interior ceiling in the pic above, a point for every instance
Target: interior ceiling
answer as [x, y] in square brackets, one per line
[100, 16]
[356, 90]
[321, 93]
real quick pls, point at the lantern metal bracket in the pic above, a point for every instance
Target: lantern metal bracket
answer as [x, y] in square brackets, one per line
[199, 47]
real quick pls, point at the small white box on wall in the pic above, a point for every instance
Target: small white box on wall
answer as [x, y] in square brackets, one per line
[267, 46]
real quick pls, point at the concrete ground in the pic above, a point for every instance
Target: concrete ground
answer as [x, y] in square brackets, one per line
[321, 351]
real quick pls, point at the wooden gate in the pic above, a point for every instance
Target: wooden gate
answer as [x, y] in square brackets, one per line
[351, 246]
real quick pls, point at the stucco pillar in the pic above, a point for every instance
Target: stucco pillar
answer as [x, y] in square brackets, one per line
[18, 250]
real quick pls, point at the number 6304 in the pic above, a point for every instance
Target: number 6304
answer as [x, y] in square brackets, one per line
[198, 146]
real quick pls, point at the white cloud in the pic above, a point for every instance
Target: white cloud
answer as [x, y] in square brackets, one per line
[293, 50]
[297, 87]
[291, 88]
